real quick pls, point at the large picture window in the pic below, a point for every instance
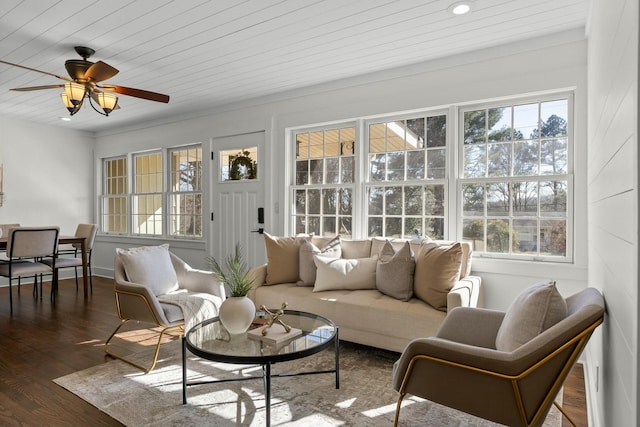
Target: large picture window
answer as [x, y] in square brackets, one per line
[159, 194]
[515, 178]
[405, 154]
[185, 195]
[324, 181]
[502, 181]
[147, 194]
[114, 200]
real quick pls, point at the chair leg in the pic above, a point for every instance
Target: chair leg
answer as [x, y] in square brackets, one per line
[561, 409]
[90, 279]
[76, 269]
[124, 359]
[398, 405]
[10, 297]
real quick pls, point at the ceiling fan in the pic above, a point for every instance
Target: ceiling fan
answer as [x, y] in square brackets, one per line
[83, 84]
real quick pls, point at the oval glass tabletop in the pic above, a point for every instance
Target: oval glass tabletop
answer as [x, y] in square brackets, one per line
[210, 340]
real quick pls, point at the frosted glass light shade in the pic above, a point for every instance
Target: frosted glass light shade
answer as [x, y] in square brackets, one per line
[75, 92]
[108, 101]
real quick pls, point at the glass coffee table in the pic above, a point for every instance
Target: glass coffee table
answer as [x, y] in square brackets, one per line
[209, 340]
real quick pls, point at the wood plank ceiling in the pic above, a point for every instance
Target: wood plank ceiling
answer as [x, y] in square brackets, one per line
[206, 54]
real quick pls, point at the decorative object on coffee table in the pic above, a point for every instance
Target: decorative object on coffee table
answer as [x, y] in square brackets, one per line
[238, 311]
[274, 331]
[274, 317]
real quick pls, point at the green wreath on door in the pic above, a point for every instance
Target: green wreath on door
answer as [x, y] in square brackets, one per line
[242, 167]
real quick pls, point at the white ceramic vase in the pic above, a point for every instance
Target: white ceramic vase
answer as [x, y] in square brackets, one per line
[237, 313]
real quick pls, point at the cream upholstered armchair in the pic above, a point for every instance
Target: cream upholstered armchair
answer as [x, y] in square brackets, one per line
[503, 367]
[154, 286]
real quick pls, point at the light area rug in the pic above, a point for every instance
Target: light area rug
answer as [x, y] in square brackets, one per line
[365, 398]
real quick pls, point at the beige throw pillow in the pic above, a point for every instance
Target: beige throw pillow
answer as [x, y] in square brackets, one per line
[308, 266]
[150, 266]
[437, 272]
[535, 310]
[394, 271]
[282, 259]
[350, 274]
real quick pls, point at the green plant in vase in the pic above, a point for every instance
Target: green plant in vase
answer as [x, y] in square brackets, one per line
[237, 311]
[234, 273]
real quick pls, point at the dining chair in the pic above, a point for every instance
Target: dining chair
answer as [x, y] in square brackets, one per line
[88, 232]
[27, 247]
[4, 229]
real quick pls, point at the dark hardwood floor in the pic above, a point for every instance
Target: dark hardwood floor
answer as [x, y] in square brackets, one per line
[42, 341]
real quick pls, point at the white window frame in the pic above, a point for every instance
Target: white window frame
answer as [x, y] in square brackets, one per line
[453, 181]
[568, 176]
[171, 214]
[165, 194]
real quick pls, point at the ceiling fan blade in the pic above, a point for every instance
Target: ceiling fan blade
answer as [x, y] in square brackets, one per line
[100, 71]
[30, 88]
[37, 71]
[138, 93]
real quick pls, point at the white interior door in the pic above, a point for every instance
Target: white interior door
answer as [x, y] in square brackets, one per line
[237, 196]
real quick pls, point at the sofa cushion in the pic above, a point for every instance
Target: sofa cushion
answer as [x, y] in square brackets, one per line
[394, 271]
[536, 309]
[353, 249]
[343, 273]
[330, 248]
[150, 266]
[437, 271]
[282, 258]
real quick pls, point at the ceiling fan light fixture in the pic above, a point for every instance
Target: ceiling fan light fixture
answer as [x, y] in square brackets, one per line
[69, 105]
[75, 92]
[108, 101]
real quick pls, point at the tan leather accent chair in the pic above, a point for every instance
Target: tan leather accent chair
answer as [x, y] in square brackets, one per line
[138, 303]
[461, 368]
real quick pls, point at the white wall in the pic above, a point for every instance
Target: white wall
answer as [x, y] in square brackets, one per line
[534, 66]
[48, 175]
[612, 373]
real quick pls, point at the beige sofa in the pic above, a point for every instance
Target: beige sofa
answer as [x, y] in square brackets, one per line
[368, 315]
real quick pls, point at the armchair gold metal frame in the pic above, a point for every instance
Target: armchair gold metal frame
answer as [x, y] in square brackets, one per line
[579, 341]
[153, 320]
[461, 367]
[138, 302]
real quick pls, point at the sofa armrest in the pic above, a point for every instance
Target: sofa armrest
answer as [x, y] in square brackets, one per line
[196, 280]
[259, 276]
[466, 293]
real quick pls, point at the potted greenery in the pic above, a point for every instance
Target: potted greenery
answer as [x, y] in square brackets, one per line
[237, 311]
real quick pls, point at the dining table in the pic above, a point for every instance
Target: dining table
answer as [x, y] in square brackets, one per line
[64, 240]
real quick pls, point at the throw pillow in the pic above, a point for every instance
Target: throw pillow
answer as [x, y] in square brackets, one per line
[308, 266]
[437, 272]
[150, 266]
[394, 272]
[282, 258]
[350, 274]
[353, 249]
[536, 309]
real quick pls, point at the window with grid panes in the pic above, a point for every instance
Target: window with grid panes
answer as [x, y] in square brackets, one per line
[185, 193]
[516, 178]
[147, 194]
[406, 185]
[324, 181]
[114, 196]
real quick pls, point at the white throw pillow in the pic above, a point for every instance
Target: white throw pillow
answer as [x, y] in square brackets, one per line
[349, 274]
[307, 266]
[150, 266]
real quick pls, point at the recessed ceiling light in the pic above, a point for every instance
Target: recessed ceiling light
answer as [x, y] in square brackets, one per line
[65, 119]
[460, 8]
